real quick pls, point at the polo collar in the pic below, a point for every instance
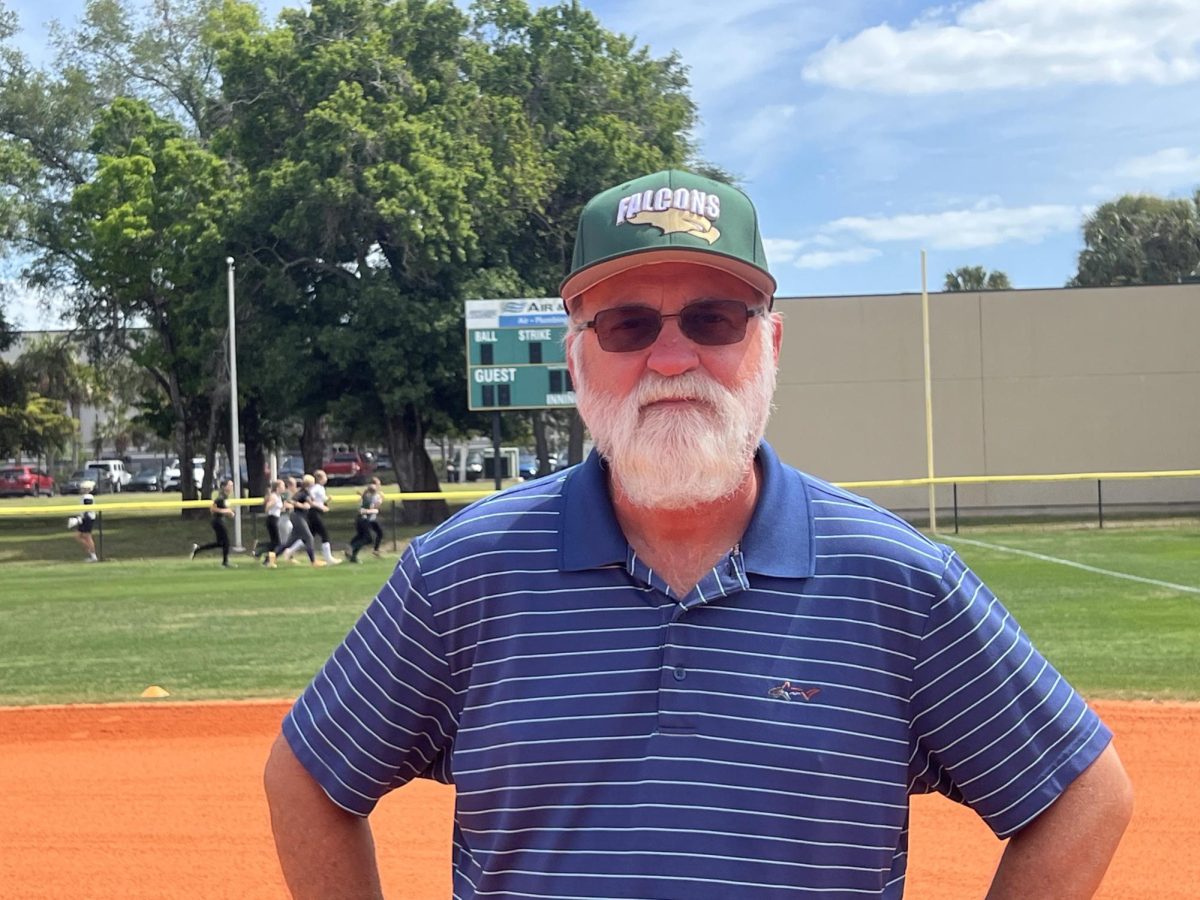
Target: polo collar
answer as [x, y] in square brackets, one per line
[779, 539]
[591, 537]
[777, 543]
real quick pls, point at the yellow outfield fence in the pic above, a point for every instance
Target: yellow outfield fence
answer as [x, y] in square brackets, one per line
[23, 537]
[121, 503]
[135, 524]
[124, 503]
[118, 503]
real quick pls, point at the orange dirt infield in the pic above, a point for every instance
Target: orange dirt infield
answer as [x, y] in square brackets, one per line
[164, 801]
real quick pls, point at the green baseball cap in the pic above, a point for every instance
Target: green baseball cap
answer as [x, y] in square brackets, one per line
[670, 216]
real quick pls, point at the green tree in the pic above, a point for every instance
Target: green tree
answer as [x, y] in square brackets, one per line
[50, 428]
[401, 158]
[146, 246]
[1140, 239]
[14, 422]
[976, 278]
[30, 423]
[112, 190]
[51, 364]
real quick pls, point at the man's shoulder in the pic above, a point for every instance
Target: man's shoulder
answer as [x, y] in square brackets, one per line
[525, 516]
[852, 523]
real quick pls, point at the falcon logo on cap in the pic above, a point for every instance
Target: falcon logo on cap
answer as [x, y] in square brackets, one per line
[676, 221]
[680, 211]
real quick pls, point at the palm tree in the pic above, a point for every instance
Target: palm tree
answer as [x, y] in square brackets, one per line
[977, 278]
[52, 369]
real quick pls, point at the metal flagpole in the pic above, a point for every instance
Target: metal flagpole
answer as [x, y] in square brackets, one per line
[234, 437]
[928, 397]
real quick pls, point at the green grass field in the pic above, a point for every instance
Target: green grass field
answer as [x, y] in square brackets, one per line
[73, 632]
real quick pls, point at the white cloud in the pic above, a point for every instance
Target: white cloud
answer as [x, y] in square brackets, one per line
[826, 259]
[784, 251]
[983, 225]
[725, 44]
[1020, 44]
[1174, 164]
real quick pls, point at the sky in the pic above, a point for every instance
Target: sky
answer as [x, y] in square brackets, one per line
[867, 130]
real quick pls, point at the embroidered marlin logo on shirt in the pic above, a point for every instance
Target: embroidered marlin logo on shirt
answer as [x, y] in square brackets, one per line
[786, 691]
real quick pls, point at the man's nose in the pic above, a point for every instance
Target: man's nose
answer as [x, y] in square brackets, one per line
[672, 353]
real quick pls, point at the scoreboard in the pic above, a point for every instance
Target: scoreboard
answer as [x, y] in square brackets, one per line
[515, 355]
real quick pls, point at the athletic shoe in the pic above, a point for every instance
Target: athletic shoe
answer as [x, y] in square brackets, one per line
[334, 561]
[318, 563]
[377, 554]
[226, 565]
[292, 560]
[195, 547]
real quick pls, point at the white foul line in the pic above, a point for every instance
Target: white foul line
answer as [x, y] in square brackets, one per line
[1076, 565]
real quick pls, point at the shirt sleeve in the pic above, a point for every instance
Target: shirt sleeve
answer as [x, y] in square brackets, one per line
[382, 710]
[994, 725]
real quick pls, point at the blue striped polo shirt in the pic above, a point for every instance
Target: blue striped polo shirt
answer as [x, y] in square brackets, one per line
[757, 738]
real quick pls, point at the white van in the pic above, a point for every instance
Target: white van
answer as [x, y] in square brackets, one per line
[111, 470]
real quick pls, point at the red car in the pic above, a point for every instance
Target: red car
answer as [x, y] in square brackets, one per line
[26, 480]
[348, 467]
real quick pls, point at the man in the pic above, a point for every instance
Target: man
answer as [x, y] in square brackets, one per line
[684, 669]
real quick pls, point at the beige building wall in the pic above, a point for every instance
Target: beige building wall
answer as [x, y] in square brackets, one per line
[1024, 382]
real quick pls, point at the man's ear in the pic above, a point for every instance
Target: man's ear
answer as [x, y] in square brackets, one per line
[777, 337]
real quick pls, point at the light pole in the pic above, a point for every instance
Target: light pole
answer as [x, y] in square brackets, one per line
[234, 437]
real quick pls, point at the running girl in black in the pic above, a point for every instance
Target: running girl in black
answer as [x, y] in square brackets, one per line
[368, 509]
[273, 507]
[318, 505]
[220, 511]
[298, 505]
[373, 522]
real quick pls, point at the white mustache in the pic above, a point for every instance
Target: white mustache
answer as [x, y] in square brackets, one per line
[654, 388]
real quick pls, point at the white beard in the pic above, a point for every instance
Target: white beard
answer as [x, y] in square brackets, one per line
[679, 457]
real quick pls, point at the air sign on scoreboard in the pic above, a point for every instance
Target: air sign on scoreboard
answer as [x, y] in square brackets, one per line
[515, 357]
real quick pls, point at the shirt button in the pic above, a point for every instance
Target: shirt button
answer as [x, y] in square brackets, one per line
[680, 673]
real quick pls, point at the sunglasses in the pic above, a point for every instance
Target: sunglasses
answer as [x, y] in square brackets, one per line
[624, 329]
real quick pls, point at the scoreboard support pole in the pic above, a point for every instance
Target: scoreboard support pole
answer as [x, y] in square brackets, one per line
[496, 460]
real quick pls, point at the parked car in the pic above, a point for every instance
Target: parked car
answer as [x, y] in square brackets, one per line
[147, 478]
[111, 470]
[292, 466]
[171, 479]
[383, 463]
[474, 468]
[527, 465]
[74, 484]
[348, 467]
[25, 480]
